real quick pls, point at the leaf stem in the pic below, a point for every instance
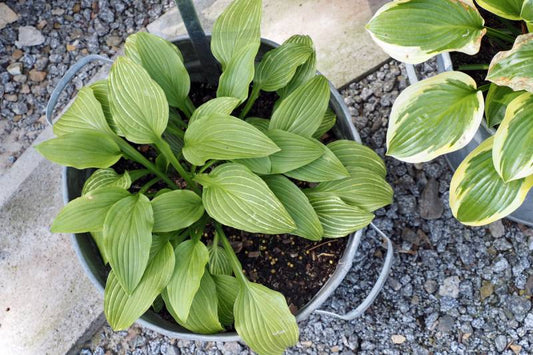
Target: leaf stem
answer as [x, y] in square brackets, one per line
[473, 67]
[207, 165]
[149, 184]
[491, 32]
[256, 89]
[484, 88]
[137, 174]
[234, 261]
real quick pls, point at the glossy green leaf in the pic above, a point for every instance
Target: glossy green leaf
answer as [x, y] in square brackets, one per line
[259, 123]
[413, 31]
[329, 120]
[106, 178]
[478, 195]
[513, 148]
[236, 197]
[263, 319]
[85, 113]
[99, 240]
[127, 239]
[304, 72]
[435, 116]
[239, 73]
[191, 259]
[526, 12]
[87, 213]
[356, 155]
[224, 137]
[121, 309]
[326, 168]
[509, 9]
[138, 105]
[307, 223]
[222, 105]
[100, 90]
[337, 217]
[514, 68]
[303, 110]
[237, 27]
[227, 289]
[219, 263]
[277, 67]
[175, 210]
[496, 103]
[81, 150]
[203, 315]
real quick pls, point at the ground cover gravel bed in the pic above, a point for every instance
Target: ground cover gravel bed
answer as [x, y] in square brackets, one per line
[452, 290]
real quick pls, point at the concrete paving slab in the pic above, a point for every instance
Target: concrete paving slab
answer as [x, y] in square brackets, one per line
[344, 50]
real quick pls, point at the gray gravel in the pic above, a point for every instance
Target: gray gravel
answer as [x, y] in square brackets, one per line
[44, 40]
[452, 289]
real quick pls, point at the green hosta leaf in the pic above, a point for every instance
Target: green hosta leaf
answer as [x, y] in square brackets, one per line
[261, 166]
[81, 150]
[203, 316]
[191, 259]
[176, 210]
[277, 67]
[227, 289]
[329, 120]
[435, 116]
[263, 319]
[303, 110]
[307, 224]
[356, 155]
[496, 103]
[259, 123]
[239, 73]
[326, 168]
[219, 263]
[127, 239]
[87, 213]
[174, 141]
[222, 105]
[164, 63]
[100, 90]
[337, 217]
[158, 242]
[99, 240]
[131, 50]
[513, 151]
[138, 105]
[121, 309]
[478, 195]
[526, 12]
[364, 189]
[509, 9]
[85, 113]
[413, 31]
[514, 68]
[237, 27]
[106, 178]
[224, 137]
[158, 304]
[238, 198]
[304, 72]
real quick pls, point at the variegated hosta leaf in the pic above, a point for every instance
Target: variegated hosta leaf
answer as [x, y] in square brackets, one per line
[121, 309]
[326, 168]
[304, 72]
[227, 289]
[127, 239]
[223, 105]
[509, 9]
[225, 137]
[138, 105]
[496, 103]
[237, 27]
[219, 263]
[303, 110]
[263, 319]
[527, 11]
[106, 178]
[176, 210]
[236, 197]
[238, 74]
[327, 123]
[513, 142]
[100, 90]
[337, 217]
[277, 67]
[478, 195]
[356, 155]
[307, 224]
[435, 116]
[413, 31]
[514, 68]
[85, 113]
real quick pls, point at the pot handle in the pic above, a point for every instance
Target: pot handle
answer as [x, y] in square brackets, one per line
[444, 63]
[71, 72]
[374, 292]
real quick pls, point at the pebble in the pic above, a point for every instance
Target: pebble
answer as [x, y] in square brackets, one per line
[36, 75]
[431, 206]
[486, 290]
[519, 306]
[501, 342]
[500, 265]
[446, 324]
[7, 15]
[430, 286]
[14, 68]
[398, 339]
[29, 36]
[450, 287]
[497, 229]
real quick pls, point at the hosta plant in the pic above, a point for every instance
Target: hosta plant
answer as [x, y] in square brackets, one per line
[269, 175]
[441, 114]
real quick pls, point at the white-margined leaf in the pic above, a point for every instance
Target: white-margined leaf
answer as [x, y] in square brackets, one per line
[236, 197]
[304, 72]
[239, 73]
[175, 210]
[219, 263]
[127, 239]
[100, 90]
[496, 103]
[138, 105]
[514, 68]
[478, 195]
[326, 168]
[509, 9]
[221, 105]
[227, 290]
[413, 31]
[225, 137]
[121, 309]
[356, 155]
[106, 178]
[435, 116]
[327, 123]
